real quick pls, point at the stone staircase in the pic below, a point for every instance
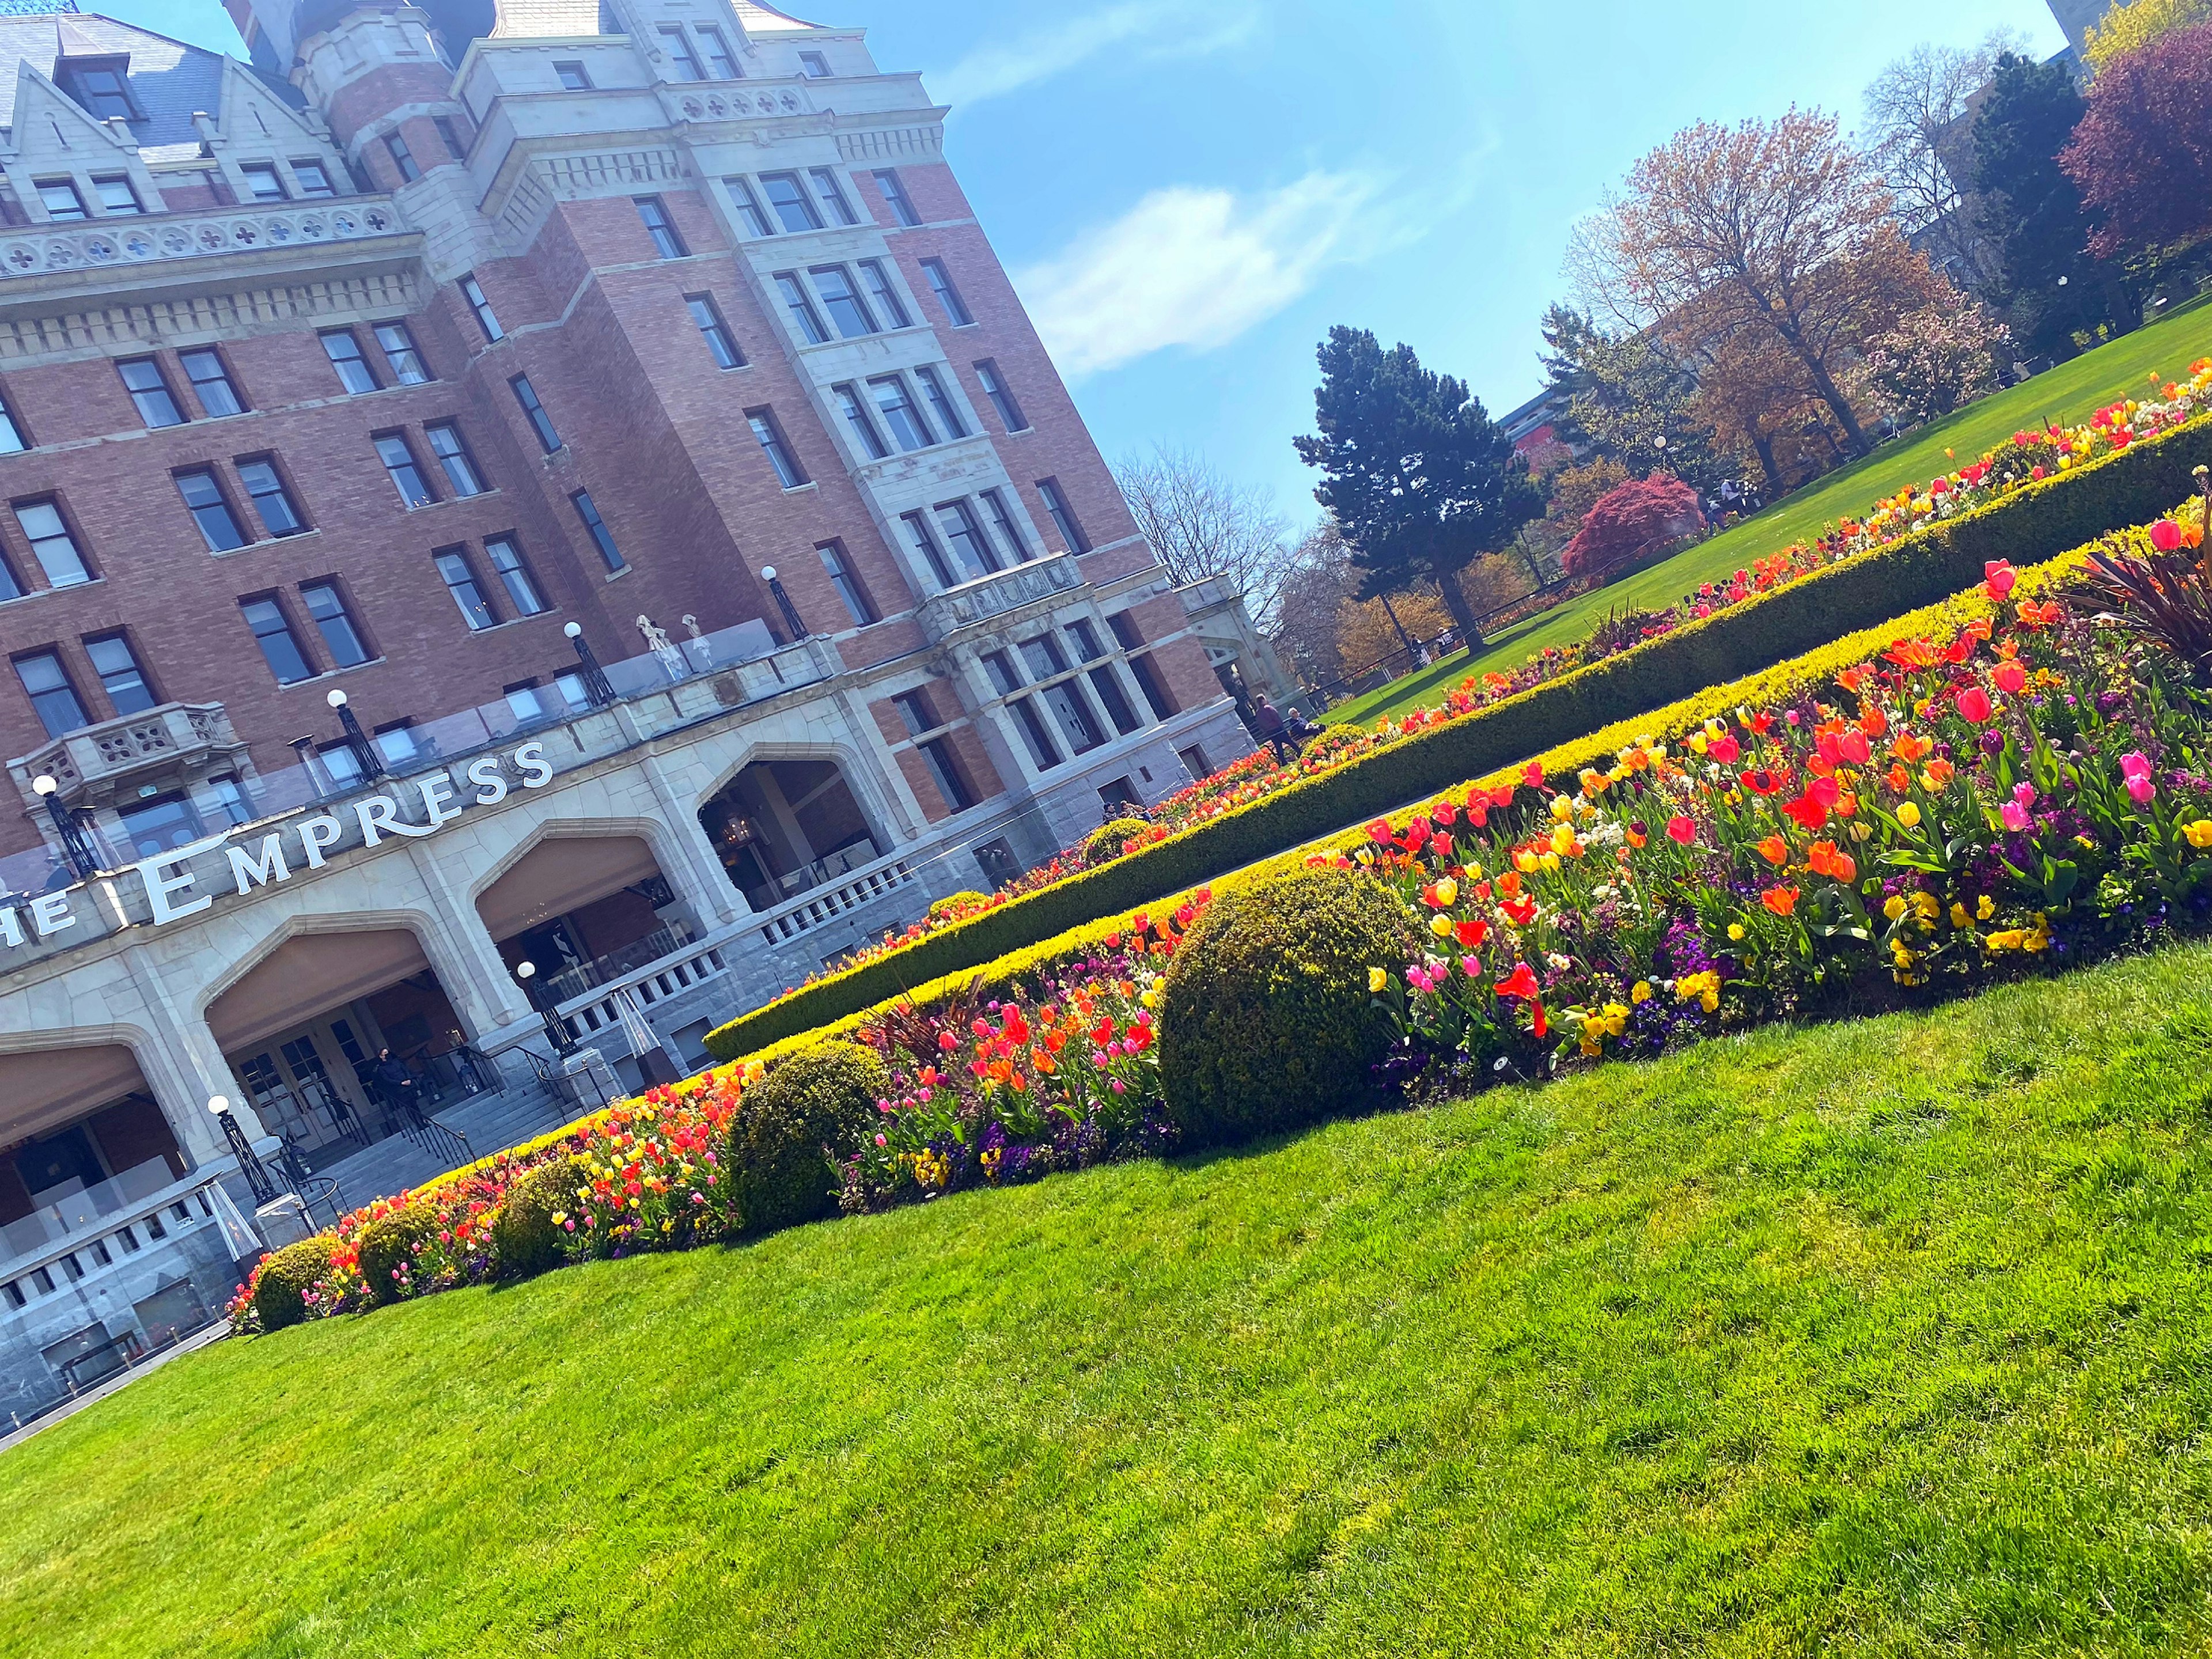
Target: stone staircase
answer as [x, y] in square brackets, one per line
[490, 1123]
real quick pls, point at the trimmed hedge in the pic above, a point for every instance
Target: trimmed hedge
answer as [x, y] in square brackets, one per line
[2035, 524]
[279, 1291]
[823, 1095]
[389, 1241]
[524, 1235]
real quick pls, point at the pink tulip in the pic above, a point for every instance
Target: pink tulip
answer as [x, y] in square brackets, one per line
[2141, 789]
[2015, 815]
[2166, 535]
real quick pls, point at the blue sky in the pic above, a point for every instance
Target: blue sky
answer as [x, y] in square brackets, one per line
[1189, 192]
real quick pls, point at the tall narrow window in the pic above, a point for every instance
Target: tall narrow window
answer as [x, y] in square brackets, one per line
[924, 541]
[391, 449]
[1108, 684]
[13, 440]
[940, 284]
[356, 374]
[534, 412]
[1063, 515]
[10, 588]
[894, 196]
[721, 345]
[454, 458]
[121, 675]
[401, 158]
[203, 499]
[789, 200]
[326, 606]
[1007, 529]
[51, 544]
[314, 179]
[1005, 678]
[831, 195]
[515, 576]
[1043, 754]
[264, 488]
[774, 447]
[212, 383]
[449, 134]
[944, 767]
[156, 404]
[59, 198]
[721, 65]
[856, 417]
[846, 581]
[749, 208]
[474, 294]
[461, 582]
[1072, 710]
[54, 699]
[1154, 685]
[572, 77]
[940, 403]
[916, 712]
[667, 240]
[681, 61]
[1001, 396]
[803, 315]
[846, 309]
[908, 429]
[117, 193]
[273, 633]
[596, 528]
[965, 536]
[884, 293]
[399, 346]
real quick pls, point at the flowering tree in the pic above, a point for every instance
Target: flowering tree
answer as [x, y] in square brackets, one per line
[1634, 519]
[1935, 359]
[2142, 153]
[2127, 28]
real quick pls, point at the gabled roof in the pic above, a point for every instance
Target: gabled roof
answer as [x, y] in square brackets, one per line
[766, 20]
[169, 79]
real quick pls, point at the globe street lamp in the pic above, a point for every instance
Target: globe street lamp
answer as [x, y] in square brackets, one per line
[249, 1163]
[596, 691]
[372, 764]
[791, 617]
[556, 1029]
[76, 846]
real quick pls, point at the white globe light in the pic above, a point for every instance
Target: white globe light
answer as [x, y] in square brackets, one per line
[574, 630]
[526, 970]
[44, 785]
[768, 573]
[336, 699]
[218, 1104]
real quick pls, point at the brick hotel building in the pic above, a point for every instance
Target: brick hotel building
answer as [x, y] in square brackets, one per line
[479, 362]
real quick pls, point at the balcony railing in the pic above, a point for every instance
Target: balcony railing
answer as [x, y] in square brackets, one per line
[89, 765]
[101, 245]
[1004, 590]
[571, 982]
[63, 1215]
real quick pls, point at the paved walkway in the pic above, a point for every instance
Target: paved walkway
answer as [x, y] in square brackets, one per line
[214, 1332]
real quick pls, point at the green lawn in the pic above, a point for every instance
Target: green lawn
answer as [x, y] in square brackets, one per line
[2068, 394]
[1886, 1337]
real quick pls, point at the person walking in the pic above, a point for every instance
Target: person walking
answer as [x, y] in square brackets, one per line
[1267, 721]
[402, 1095]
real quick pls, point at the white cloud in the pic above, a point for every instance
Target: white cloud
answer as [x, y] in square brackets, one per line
[1197, 267]
[994, 71]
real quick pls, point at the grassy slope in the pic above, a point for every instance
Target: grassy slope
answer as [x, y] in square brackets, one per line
[2068, 394]
[1888, 1336]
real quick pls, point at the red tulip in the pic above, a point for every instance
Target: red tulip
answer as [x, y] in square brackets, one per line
[1974, 704]
[1681, 828]
[2011, 678]
[1521, 982]
[2166, 535]
[1998, 577]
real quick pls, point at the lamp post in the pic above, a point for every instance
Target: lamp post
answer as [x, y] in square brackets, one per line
[76, 846]
[249, 1162]
[791, 617]
[556, 1029]
[596, 689]
[372, 764]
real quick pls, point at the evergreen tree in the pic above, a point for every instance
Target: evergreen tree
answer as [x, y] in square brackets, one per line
[1420, 479]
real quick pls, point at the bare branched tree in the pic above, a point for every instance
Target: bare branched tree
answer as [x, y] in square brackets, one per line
[1918, 117]
[1201, 523]
[1319, 582]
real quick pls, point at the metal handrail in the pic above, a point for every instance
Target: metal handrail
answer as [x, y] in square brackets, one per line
[439, 1140]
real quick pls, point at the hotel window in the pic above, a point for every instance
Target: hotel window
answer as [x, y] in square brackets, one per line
[908, 429]
[916, 712]
[831, 195]
[971, 551]
[1072, 710]
[925, 543]
[846, 309]
[54, 699]
[354, 372]
[59, 198]
[1157, 695]
[1009, 532]
[1044, 657]
[156, 404]
[719, 64]
[399, 346]
[801, 307]
[474, 295]
[51, 544]
[449, 133]
[326, 607]
[814, 65]
[515, 576]
[886, 295]
[313, 179]
[846, 581]
[749, 208]
[901, 203]
[680, 59]
[263, 183]
[534, 412]
[104, 91]
[940, 403]
[596, 528]
[212, 382]
[264, 488]
[9, 587]
[454, 458]
[1063, 516]
[940, 284]
[399, 463]
[1043, 754]
[1108, 686]
[13, 440]
[117, 193]
[341, 764]
[789, 201]
[1001, 396]
[121, 676]
[944, 768]
[1000, 667]
[401, 158]
[721, 345]
[273, 633]
[573, 76]
[856, 417]
[774, 447]
[204, 498]
[667, 241]
[461, 582]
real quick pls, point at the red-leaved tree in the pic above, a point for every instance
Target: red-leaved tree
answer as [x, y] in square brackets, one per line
[1632, 521]
[2141, 156]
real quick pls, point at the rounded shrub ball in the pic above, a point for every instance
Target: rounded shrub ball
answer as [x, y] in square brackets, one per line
[525, 1239]
[822, 1097]
[280, 1292]
[1266, 1022]
[955, 905]
[1103, 845]
[387, 1241]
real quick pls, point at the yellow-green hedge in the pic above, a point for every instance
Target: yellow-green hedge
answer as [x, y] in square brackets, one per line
[2035, 524]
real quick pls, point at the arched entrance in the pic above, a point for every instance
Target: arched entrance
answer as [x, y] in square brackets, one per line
[72, 1119]
[584, 909]
[782, 827]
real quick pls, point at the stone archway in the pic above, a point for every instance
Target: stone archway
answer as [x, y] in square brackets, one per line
[783, 826]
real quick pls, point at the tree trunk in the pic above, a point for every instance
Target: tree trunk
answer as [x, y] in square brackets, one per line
[1825, 385]
[1463, 613]
[1764, 443]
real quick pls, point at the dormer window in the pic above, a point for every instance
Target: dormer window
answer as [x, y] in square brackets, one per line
[101, 88]
[314, 179]
[59, 198]
[116, 193]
